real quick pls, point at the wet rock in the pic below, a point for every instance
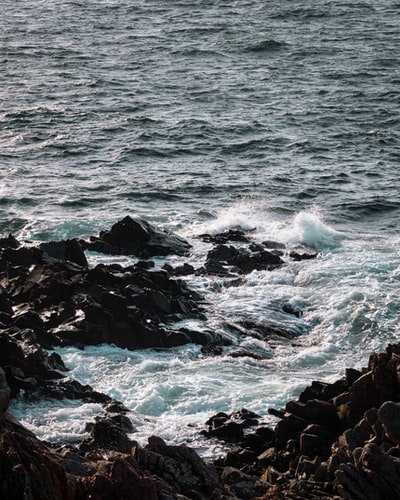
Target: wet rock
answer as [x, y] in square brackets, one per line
[274, 245]
[223, 427]
[72, 389]
[9, 242]
[22, 256]
[266, 330]
[5, 394]
[240, 260]
[137, 237]
[69, 304]
[179, 466]
[222, 238]
[27, 365]
[230, 427]
[211, 350]
[110, 433]
[68, 250]
[182, 270]
[297, 256]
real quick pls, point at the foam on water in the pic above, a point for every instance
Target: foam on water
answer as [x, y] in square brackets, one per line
[309, 229]
[56, 421]
[306, 227]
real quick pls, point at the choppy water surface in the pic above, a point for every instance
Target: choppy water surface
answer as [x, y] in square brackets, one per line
[278, 116]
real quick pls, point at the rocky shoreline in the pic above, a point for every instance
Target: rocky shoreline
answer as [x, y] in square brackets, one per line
[337, 440]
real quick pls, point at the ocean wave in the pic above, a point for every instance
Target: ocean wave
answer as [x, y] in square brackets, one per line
[265, 46]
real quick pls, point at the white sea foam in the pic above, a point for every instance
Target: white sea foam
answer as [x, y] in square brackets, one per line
[309, 229]
[305, 228]
[55, 420]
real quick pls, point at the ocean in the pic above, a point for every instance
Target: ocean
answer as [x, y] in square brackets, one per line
[282, 118]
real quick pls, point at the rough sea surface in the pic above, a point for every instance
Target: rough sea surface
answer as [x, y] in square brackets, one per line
[279, 116]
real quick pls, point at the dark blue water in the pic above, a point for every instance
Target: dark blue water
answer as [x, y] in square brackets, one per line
[165, 109]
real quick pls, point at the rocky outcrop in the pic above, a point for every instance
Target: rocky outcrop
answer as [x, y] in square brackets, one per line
[225, 260]
[137, 237]
[50, 290]
[245, 256]
[338, 440]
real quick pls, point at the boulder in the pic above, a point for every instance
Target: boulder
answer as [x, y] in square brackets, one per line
[389, 415]
[226, 236]
[110, 433]
[68, 250]
[181, 467]
[137, 237]
[241, 260]
[230, 427]
[28, 469]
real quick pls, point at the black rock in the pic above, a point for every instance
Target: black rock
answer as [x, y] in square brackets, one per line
[240, 260]
[137, 237]
[68, 250]
[221, 238]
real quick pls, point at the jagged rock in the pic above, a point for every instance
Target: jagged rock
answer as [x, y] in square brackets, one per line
[69, 304]
[315, 411]
[22, 256]
[179, 466]
[137, 237]
[110, 434]
[259, 440]
[371, 475]
[183, 270]
[389, 415]
[302, 256]
[265, 330]
[5, 394]
[9, 242]
[68, 250]
[211, 350]
[230, 427]
[287, 428]
[241, 485]
[5, 303]
[27, 365]
[75, 464]
[222, 427]
[240, 260]
[72, 389]
[229, 235]
[29, 470]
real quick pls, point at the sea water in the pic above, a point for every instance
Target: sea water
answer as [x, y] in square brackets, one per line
[281, 118]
